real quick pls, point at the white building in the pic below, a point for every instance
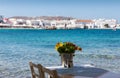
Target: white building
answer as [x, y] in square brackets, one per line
[105, 23]
[13, 21]
[84, 23]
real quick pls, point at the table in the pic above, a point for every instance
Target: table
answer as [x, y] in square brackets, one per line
[84, 72]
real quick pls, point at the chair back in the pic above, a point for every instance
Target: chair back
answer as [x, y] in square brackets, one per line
[36, 70]
[50, 73]
[42, 71]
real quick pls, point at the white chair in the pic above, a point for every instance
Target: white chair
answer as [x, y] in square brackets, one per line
[42, 71]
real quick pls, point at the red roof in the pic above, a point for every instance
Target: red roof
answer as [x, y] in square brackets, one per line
[85, 21]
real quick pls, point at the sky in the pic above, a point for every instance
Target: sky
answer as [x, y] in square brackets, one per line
[83, 9]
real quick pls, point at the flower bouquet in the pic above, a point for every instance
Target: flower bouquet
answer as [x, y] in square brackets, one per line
[66, 47]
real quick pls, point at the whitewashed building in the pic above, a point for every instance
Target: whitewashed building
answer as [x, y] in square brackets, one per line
[13, 21]
[84, 24]
[105, 23]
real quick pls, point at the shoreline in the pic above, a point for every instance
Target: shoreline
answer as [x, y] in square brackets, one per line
[63, 29]
[6, 26]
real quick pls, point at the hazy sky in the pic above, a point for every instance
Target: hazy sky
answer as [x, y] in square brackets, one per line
[85, 9]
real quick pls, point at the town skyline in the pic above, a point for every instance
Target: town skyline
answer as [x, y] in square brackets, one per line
[84, 9]
[57, 22]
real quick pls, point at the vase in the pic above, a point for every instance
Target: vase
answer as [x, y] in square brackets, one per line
[67, 59]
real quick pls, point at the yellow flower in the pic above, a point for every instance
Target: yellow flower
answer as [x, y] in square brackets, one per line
[60, 44]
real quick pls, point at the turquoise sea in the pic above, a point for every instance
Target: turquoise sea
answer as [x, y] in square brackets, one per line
[20, 46]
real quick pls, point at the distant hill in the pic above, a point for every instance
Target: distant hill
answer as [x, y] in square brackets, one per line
[44, 17]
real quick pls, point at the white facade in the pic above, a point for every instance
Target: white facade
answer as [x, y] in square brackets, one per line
[61, 24]
[84, 23]
[13, 21]
[100, 23]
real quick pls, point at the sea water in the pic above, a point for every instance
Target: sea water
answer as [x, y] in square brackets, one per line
[18, 47]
